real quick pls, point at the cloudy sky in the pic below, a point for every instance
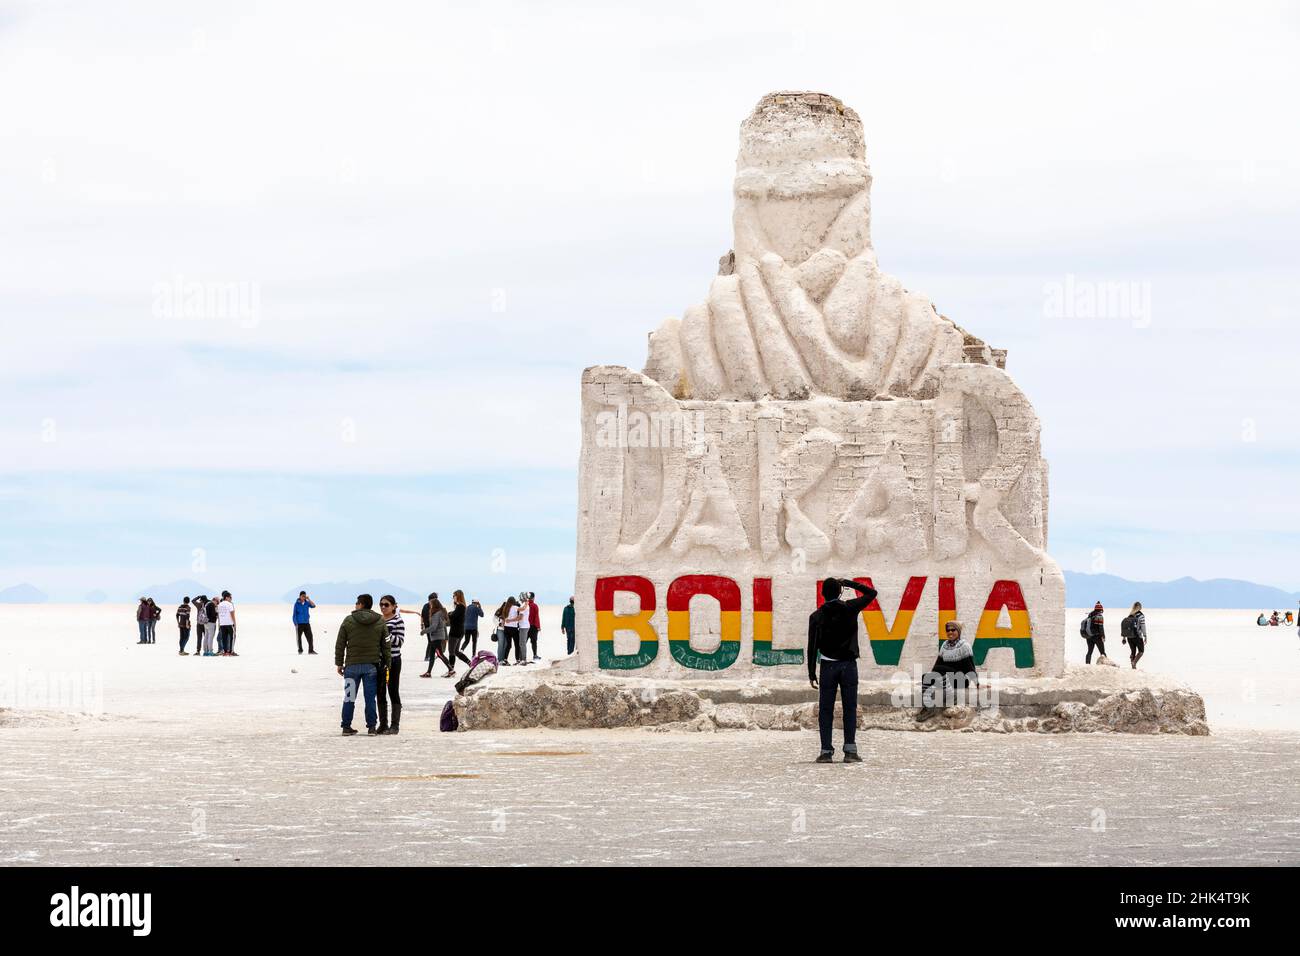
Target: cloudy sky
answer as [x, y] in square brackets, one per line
[430, 217]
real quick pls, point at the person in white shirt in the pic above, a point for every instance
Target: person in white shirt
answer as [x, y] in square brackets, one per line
[226, 626]
[513, 617]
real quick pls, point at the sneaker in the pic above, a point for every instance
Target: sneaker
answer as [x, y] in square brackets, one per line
[536, 658]
[924, 714]
[381, 730]
[300, 650]
[851, 756]
[349, 732]
[185, 653]
[827, 757]
[372, 732]
[311, 652]
[393, 730]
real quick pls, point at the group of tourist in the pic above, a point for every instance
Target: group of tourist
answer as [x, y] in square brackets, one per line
[1276, 620]
[1132, 632]
[210, 619]
[368, 650]
[519, 621]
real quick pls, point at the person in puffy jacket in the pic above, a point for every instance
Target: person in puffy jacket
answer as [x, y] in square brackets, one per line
[360, 651]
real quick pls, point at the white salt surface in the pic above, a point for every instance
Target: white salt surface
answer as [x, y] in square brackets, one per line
[238, 761]
[85, 658]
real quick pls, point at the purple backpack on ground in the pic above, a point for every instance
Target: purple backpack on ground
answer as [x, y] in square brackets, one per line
[448, 722]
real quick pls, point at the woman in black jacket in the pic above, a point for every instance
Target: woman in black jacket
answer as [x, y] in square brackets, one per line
[455, 632]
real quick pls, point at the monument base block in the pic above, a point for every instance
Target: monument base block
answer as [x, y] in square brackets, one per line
[1087, 699]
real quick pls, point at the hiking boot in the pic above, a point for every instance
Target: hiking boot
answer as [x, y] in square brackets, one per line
[925, 713]
[349, 732]
[382, 730]
[827, 757]
[393, 730]
[851, 756]
[372, 732]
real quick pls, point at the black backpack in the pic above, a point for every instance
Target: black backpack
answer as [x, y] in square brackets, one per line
[1126, 627]
[1085, 627]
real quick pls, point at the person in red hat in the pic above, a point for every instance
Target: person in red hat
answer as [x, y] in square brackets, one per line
[1096, 633]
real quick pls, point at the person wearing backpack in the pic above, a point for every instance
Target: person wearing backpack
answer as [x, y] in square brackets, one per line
[1093, 629]
[155, 614]
[1133, 631]
[209, 626]
[183, 623]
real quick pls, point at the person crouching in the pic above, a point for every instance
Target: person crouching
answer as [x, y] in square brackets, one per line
[955, 658]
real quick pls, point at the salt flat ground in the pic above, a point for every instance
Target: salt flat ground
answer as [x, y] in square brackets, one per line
[237, 761]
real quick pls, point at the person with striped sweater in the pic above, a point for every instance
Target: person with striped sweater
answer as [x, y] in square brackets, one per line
[391, 687]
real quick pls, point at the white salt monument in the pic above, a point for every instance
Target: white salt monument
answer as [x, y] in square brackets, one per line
[812, 417]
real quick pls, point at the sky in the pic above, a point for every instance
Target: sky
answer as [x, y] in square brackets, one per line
[413, 225]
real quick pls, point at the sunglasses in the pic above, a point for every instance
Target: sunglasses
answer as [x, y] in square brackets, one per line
[385, 604]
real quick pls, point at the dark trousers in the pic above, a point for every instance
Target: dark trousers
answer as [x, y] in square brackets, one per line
[511, 640]
[185, 636]
[454, 650]
[532, 639]
[304, 630]
[939, 686]
[841, 676]
[1136, 647]
[225, 638]
[471, 638]
[569, 636]
[390, 689]
[435, 653]
[1095, 643]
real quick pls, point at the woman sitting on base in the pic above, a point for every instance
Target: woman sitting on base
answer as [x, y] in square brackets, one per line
[955, 657]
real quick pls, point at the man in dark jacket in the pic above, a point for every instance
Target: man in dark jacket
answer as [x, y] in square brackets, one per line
[833, 640]
[566, 624]
[359, 652]
[1096, 635]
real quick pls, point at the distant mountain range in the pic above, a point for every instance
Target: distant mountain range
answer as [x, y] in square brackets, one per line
[23, 594]
[1085, 590]
[345, 592]
[1081, 590]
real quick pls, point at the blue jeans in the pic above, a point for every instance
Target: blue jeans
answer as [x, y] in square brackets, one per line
[841, 675]
[367, 675]
[144, 631]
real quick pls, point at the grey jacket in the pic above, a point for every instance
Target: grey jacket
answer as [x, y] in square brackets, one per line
[437, 629]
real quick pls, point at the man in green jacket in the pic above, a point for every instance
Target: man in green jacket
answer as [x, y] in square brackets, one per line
[566, 624]
[361, 655]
